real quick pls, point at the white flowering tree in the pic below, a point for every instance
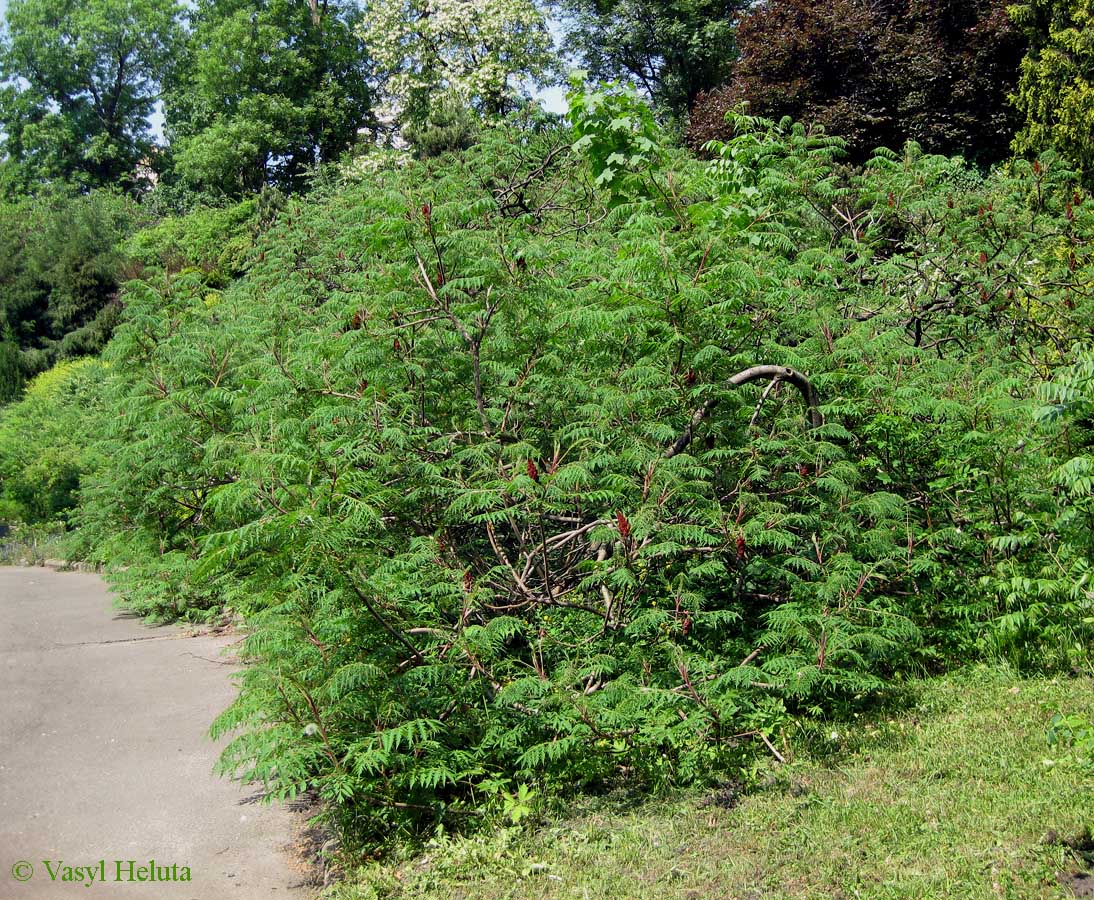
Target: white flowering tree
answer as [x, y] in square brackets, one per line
[472, 53]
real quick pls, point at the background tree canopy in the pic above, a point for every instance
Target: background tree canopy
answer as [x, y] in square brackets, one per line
[672, 49]
[878, 74]
[265, 91]
[86, 77]
[1056, 91]
[437, 55]
[60, 264]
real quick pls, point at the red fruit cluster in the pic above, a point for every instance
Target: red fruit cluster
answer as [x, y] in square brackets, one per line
[533, 472]
[624, 525]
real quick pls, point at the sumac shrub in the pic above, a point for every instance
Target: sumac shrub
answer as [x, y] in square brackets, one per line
[470, 448]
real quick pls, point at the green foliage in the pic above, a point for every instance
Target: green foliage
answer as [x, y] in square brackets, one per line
[449, 126]
[46, 443]
[616, 131]
[12, 375]
[80, 82]
[672, 50]
[213, 240]
[554, 459]
[1056, 90]
[264, 92]
[60, 268]
[1045, 575]
[906, 804]
[518, 804]
[1073, 733]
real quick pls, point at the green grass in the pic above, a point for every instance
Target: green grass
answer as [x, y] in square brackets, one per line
[958, 796]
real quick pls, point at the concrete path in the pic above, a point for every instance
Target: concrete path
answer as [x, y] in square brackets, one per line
[104, 757]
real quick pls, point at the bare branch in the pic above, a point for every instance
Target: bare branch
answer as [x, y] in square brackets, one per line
[754, 373]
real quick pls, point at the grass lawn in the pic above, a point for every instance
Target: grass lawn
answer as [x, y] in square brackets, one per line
[957, 796]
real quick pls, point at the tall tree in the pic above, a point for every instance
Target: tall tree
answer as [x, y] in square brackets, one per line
[1056, 90]
[266, 89]
[439, 55]
[671, 49]
[878, 73]
[82, 81]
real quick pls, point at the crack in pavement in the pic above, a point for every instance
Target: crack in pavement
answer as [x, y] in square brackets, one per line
[132, 640]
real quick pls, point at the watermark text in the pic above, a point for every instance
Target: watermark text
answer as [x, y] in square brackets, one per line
[100, 871]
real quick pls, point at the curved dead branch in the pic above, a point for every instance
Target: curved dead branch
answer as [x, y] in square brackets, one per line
[754, 373]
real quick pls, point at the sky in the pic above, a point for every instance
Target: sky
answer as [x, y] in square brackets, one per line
[553, 99]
